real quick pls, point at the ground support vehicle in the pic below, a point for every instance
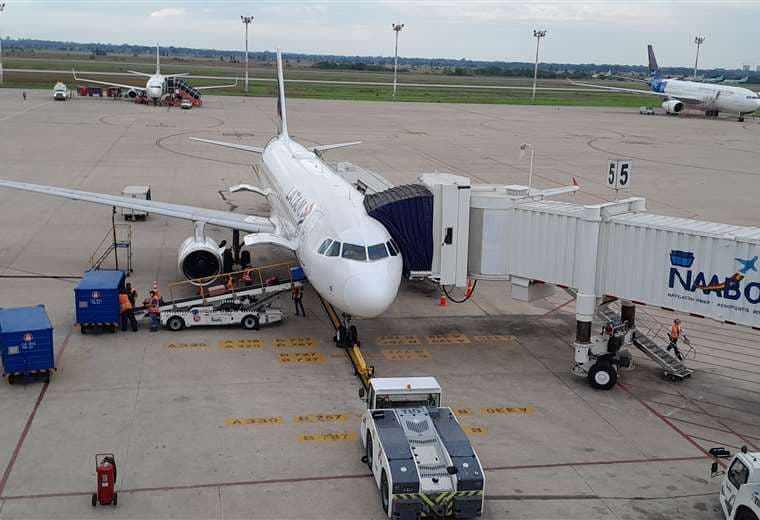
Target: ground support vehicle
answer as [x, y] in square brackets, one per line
[421, 459]
[740, 489]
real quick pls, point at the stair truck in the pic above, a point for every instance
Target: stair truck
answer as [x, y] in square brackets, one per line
[740, 489]
[421, 459]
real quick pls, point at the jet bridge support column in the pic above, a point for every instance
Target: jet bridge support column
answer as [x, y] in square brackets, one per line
[628, 313]
[586, 261]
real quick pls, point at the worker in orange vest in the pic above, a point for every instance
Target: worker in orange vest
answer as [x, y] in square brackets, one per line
[297, 295]
[248, 276]
[676, 331]
[127, 312]
[230, 284]
[154, 312]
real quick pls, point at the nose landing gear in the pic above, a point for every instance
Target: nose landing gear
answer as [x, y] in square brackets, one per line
[346, 335]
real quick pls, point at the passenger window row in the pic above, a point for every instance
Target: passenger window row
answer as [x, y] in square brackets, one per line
[360, 253]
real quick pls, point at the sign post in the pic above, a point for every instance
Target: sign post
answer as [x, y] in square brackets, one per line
[619, 174]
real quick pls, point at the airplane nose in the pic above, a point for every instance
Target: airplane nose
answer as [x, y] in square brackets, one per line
[369, 296]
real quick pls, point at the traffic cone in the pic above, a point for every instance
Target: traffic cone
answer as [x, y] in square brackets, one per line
[443, 302]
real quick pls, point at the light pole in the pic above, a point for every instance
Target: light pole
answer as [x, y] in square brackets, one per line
[538, 35]
[247, 20]
[699, 40]
[397, 29]
[2, 8]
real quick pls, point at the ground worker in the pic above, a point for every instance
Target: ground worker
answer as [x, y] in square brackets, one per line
[676, 331]
[248, 276]
[230, 284]
[23, 95]
[132, 293]
[153, 304]
[127, 311]
[297, 295]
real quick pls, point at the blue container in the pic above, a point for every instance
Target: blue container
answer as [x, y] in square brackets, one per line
[26, 340]
[97, 298]
[297, 274]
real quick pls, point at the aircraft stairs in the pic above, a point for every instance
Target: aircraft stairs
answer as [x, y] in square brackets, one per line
[119, 237]
[646, 342]
[183, 90]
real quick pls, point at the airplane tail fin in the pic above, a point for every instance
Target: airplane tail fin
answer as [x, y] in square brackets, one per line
[654, 69]
[158, 60]
[282, 119]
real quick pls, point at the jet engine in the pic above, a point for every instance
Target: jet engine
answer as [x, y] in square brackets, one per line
[132, 93]
[200, 259]
[672, 106]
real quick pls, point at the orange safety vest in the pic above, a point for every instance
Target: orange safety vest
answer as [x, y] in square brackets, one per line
[247, 274]
[124, 303]
[296, 293]
[675, 331]
[153, 305]
[230, 284]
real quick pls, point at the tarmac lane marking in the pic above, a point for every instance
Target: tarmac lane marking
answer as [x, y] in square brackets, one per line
[300, 341]
[475, 430]
[321, 418]
[327, 437]
[448, 339]
[398, 340]
[300, 358]
[253, 421]
[462, 411]
[182, 346]
[494, 338]
[240, 343]
[507, 410]
[406, 354]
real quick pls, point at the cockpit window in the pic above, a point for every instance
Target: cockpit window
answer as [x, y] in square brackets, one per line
[377, 252]
[393, 248]
[324, 246]
[334, 249]
[354, 252]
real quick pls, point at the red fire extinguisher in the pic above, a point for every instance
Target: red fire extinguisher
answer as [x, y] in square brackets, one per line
[105, 469]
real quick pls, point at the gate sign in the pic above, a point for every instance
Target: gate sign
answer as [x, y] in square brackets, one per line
[619, 174]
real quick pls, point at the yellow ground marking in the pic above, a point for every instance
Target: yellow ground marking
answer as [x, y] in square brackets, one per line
[327, 437]
[328, 417]
[253, 421]
[475, 430]
[406, 354]
[494, 338]
[299, 358]
[178, 346]
[398, 340]
[301, 341]
[448, 339]
[240, 343]
[507, 410]
[462, 411]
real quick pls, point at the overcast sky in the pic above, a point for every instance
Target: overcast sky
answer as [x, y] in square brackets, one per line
[578, 32]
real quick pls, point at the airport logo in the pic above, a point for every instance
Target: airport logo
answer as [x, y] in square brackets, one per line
[95, 295]
[730, 291]
[28, 337]
[658, 85]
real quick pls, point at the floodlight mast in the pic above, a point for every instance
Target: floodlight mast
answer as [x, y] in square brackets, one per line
[247, 20]
[699, 40]
[538, 35]
[2, 8]
[397, 29]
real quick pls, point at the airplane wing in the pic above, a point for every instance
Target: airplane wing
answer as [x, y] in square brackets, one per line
[175, 75]
[248, 223]
[140, 73]
[245, 148]
[141, 89]
[218, 86]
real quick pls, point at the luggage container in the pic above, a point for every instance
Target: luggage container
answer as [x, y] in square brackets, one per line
[297, 274]
[97, 300]
[26, 343]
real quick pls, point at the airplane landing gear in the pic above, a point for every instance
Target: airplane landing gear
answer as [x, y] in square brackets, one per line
[740, 118]
[347, 335]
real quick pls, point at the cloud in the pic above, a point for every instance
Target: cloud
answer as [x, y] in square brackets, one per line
[167, 11]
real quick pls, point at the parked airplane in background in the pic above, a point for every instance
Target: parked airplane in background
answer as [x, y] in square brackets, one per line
[678, 95]
[156, 85]
[349, 257]
[736, 81]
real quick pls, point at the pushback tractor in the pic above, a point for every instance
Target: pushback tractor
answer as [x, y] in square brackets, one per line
[421, 459]
[740, 489]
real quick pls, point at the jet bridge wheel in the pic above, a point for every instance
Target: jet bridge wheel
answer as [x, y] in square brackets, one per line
[602, 375]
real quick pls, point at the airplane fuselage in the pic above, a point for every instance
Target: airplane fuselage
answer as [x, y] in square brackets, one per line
[155, 87]
[711, 97]
[359, 271]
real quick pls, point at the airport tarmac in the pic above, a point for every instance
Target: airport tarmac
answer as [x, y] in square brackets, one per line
[208, 424]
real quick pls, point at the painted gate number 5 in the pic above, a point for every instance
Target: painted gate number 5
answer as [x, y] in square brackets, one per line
[624, 173]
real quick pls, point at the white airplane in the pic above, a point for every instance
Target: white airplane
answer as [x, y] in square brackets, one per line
[678, 95]
[348, 256]
[155, 87]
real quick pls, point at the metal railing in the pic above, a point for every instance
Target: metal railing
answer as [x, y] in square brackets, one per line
[118, 237]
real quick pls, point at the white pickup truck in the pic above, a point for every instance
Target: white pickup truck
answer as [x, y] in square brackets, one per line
[740, 489]
[421, 459]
